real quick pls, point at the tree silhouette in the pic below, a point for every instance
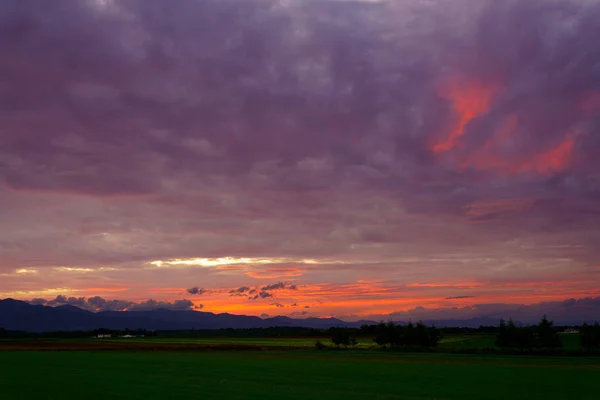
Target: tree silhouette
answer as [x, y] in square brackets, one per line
[411, 335]
[590, 336]
[546, 335]
[503, 336]
[341, 336]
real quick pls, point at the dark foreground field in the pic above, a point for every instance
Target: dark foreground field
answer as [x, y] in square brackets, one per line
[298, 374]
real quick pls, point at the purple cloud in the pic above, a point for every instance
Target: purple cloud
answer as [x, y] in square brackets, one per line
[327, 141]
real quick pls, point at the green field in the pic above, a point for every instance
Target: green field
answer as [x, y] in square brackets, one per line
[292, 375]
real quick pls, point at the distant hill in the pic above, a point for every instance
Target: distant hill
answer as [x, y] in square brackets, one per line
[22, 316]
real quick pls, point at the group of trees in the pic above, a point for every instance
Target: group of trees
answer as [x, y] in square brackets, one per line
[590, 336]
[342, 337]
[409, 335]
[542, 335]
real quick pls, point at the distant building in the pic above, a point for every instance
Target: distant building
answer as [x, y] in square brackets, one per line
[570, 330]
[104, 335]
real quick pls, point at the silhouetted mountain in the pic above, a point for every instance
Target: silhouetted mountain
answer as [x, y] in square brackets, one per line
[22, 316]
[19, 315]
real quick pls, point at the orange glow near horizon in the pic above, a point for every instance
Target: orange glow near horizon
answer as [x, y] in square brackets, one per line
[469, 100]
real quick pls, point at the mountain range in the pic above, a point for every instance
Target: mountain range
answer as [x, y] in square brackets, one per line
[22, 316]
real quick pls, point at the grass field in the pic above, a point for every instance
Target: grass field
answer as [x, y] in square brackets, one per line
[449, 343]
[292, 375]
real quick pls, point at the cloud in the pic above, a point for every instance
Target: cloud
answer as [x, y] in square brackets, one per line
[261, 295]
[279, 286]
[275, 286]
[242, 289]
[61, 300]
[196, 290]
[570, 311]
[177, 305]
[98, 303]
[300, 313]
[459, 297]
[278, 305]
[411, 141]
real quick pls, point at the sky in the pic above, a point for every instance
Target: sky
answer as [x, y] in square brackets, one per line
[315, 158]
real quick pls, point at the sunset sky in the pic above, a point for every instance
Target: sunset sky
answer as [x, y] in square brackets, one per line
[357, 159]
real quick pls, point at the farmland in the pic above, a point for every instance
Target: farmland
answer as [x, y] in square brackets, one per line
[448, 343]
[302, 374]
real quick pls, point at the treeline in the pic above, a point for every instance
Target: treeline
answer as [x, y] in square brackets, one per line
[590, 336]
[410, 335]
[543, 335]
[387, 335]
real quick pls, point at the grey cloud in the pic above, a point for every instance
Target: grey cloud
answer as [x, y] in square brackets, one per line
[61, 300]
[275, 286]
[459, 297]
[278, 305]
[570, 311]
[261, 295]
[196, 290]
[177, 305]
[242, 289]
[98, 303]
[279, 286]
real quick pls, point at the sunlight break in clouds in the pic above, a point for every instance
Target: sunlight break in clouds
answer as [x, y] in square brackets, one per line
[225, 261]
